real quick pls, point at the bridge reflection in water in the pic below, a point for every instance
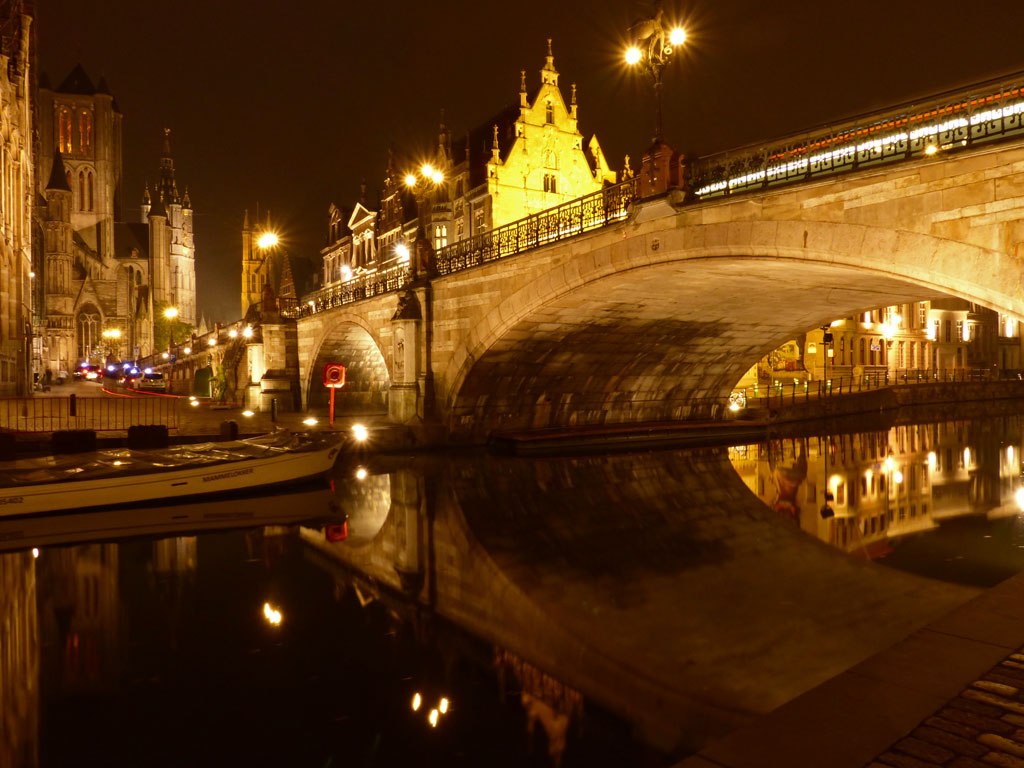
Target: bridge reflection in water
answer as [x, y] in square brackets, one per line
[567, 610]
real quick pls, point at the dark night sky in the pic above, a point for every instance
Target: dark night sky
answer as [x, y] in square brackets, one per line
[291, 105]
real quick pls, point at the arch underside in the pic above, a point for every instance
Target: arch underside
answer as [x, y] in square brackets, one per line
[660, 343]
[366, 374]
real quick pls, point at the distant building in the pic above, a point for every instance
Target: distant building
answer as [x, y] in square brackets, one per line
[527, 158]
[104, 281]
[270, 270]
[16, 198]
[940, 338]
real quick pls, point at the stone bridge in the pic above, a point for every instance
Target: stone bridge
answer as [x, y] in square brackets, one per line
[658, 315]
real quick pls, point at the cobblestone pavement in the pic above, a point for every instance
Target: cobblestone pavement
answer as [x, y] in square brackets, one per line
[980, 728]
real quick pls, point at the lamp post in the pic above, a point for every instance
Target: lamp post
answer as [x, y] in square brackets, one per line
[111, 335]
[170, 313]
[427, 178]
[652, 44]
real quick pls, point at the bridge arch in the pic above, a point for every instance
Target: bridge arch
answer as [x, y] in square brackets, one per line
[657, 319]
[349, 340]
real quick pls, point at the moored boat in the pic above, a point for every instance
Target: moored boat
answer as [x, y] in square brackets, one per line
[131, 476]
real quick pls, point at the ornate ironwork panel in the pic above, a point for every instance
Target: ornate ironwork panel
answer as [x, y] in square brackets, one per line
[987, 112]
[567, 220]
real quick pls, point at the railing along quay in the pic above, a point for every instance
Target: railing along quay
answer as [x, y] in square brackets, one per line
[783, 392]
[956, 120]
[102, 414]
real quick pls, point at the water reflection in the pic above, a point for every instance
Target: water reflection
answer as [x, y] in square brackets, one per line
[578, 610]
[876, 494]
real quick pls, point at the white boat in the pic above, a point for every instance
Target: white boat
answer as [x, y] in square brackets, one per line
[131, 476]
[310, 503]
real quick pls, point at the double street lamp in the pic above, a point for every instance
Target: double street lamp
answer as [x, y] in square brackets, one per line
[652, 44]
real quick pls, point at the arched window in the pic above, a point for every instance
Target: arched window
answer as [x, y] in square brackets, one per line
[84, 131]
[64, 123]
[81, 191]
[89, 189]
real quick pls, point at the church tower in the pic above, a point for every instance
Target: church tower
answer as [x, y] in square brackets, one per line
[250, 269]
[58, 331]
[174, 261]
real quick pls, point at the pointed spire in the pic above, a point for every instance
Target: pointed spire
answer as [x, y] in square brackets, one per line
[245, 221]
[549, 75]
[58, 175]
[187, 201]
[167, 188]
[572, 103]
[495, 156]
[146, 197]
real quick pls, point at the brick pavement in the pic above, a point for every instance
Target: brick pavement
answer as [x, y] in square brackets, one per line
[980, 728]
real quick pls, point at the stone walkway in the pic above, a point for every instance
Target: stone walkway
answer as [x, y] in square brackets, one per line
[948, 695]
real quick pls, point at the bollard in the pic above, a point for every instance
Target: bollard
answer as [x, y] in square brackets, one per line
[72, 406]
[273, 409]
[229, 430]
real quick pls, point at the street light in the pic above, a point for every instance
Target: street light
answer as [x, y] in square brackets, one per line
[652, 44]
[267, 240]
[171, 312]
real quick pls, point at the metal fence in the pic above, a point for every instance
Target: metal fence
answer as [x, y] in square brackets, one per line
[785, 392]
[102, 414]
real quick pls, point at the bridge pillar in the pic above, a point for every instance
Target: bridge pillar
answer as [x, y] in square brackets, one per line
[280, 380]
[405, 398]
[661, 169]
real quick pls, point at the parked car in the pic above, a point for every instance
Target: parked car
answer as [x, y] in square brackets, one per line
[151, 382]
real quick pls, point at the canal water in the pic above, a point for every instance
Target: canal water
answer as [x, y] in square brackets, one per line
[469, 609]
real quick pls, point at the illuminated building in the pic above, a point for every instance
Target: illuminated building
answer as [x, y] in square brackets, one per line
[16, 183]
[527, 158]
[923, 339]
[96, 271]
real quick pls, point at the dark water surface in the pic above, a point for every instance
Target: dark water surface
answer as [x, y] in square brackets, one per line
[574, 611]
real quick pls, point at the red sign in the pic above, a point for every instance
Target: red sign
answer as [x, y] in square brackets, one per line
[334, 375]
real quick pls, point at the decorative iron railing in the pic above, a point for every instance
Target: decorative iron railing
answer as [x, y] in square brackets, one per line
[364, 287]
[592, 211]
[953, 121]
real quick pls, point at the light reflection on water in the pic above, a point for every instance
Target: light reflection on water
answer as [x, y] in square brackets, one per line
[941, 499]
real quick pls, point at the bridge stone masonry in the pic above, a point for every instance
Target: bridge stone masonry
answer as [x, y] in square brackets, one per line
[649, 301]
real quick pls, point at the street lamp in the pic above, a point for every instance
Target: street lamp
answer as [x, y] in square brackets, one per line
[111, 335]
[652, 44]
[428, 177]
[171, 312]
[267, 240]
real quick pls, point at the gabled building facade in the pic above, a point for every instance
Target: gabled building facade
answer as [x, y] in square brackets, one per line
[527, 158]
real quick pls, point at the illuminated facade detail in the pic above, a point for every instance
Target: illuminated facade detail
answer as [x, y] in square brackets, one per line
[98, 272]
[528, 158]
[17, 182]
[921, 340]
